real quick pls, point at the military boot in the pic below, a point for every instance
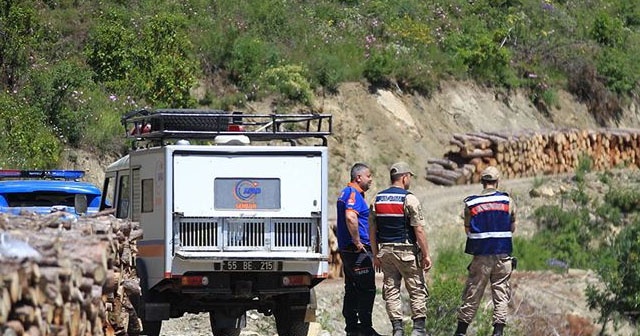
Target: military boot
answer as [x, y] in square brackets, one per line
[419, 329]
[497, 329]
[461, 330]
[398, 329]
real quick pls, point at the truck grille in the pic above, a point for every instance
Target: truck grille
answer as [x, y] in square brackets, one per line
[198, 233]
[255, 234]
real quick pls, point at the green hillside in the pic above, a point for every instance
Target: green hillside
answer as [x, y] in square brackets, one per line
[70, 68]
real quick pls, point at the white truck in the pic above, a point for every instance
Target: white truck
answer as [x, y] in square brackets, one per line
[234, 214]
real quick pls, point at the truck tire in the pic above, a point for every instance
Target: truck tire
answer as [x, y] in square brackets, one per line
[151, 328]
[222, 331]
[290, 322]
[226, 331]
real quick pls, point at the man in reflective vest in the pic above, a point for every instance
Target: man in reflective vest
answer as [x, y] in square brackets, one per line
[399, 246]
[489, 220]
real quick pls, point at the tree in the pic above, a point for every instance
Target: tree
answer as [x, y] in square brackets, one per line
[619, 269]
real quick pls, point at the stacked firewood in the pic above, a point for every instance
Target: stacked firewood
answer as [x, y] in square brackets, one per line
[67, 276]
[335, 261]
[531, 153]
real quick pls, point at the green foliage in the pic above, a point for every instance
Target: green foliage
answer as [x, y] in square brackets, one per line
[378, 67]
[250, 57]
[452, 261]
[109, 49]
[24, 145]
[57, 90]
[446, 288]
[531, 254]
[620, 70]
[565, 234]
[608, 30]
[325, 69]
[442, 305]
[152, 59]
[625, 199]
[21, 34]
[620, 273]
[289, 81]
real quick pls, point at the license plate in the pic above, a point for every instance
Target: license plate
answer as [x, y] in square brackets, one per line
[249, 265]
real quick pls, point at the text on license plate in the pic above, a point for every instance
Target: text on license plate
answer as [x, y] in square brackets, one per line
[251, 265]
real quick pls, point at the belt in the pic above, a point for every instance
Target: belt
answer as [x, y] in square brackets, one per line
[396, 245]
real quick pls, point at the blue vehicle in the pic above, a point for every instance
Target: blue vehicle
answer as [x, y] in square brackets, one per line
[47, 191]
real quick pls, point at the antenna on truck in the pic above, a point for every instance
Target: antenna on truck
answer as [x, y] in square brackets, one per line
[156, 126]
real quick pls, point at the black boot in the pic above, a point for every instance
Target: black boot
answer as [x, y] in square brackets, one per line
[398, 329]
[497, 329]
[419, 328]
[370, 332]
[462, 328]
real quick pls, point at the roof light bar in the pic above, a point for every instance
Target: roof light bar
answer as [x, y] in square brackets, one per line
[59, 174]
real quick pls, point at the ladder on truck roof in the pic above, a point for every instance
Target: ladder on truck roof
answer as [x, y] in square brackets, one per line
[159, 125]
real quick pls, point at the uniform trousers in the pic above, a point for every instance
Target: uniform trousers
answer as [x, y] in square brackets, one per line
[494, 269]
[398, 262]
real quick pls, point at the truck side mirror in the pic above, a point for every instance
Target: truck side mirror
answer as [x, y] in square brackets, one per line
[80, 203]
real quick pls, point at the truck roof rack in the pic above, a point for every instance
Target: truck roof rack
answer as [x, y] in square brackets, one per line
[163, 124]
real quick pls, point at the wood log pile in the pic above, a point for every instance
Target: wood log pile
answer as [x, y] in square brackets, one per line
[531, 153]
[335, 261]
[79, 282]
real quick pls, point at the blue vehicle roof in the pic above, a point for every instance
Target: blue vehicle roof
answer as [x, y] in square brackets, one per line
[25, 186]
[46, 196]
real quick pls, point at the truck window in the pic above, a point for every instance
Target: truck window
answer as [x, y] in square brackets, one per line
[109, 192]
[147, 195]
[123, 197]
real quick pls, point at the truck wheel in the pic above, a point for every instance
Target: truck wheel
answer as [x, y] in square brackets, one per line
[226, 331]
[290, 322]
[151, 328]
[222, 331]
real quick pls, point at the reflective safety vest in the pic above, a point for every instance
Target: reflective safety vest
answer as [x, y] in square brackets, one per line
[490, 225]
[392, 223]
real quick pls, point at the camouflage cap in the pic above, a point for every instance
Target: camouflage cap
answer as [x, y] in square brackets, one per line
[400, 168]
[491, 173]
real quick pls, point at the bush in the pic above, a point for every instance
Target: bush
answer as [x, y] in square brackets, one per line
[250, 56]
[152, 59]
[290, 81]
[608, 30]
[378, 67]
[58, 91]
[326, 71]
[620, 272]
[625, 199]
[21, 32]
[23, 146]
[442, 304]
